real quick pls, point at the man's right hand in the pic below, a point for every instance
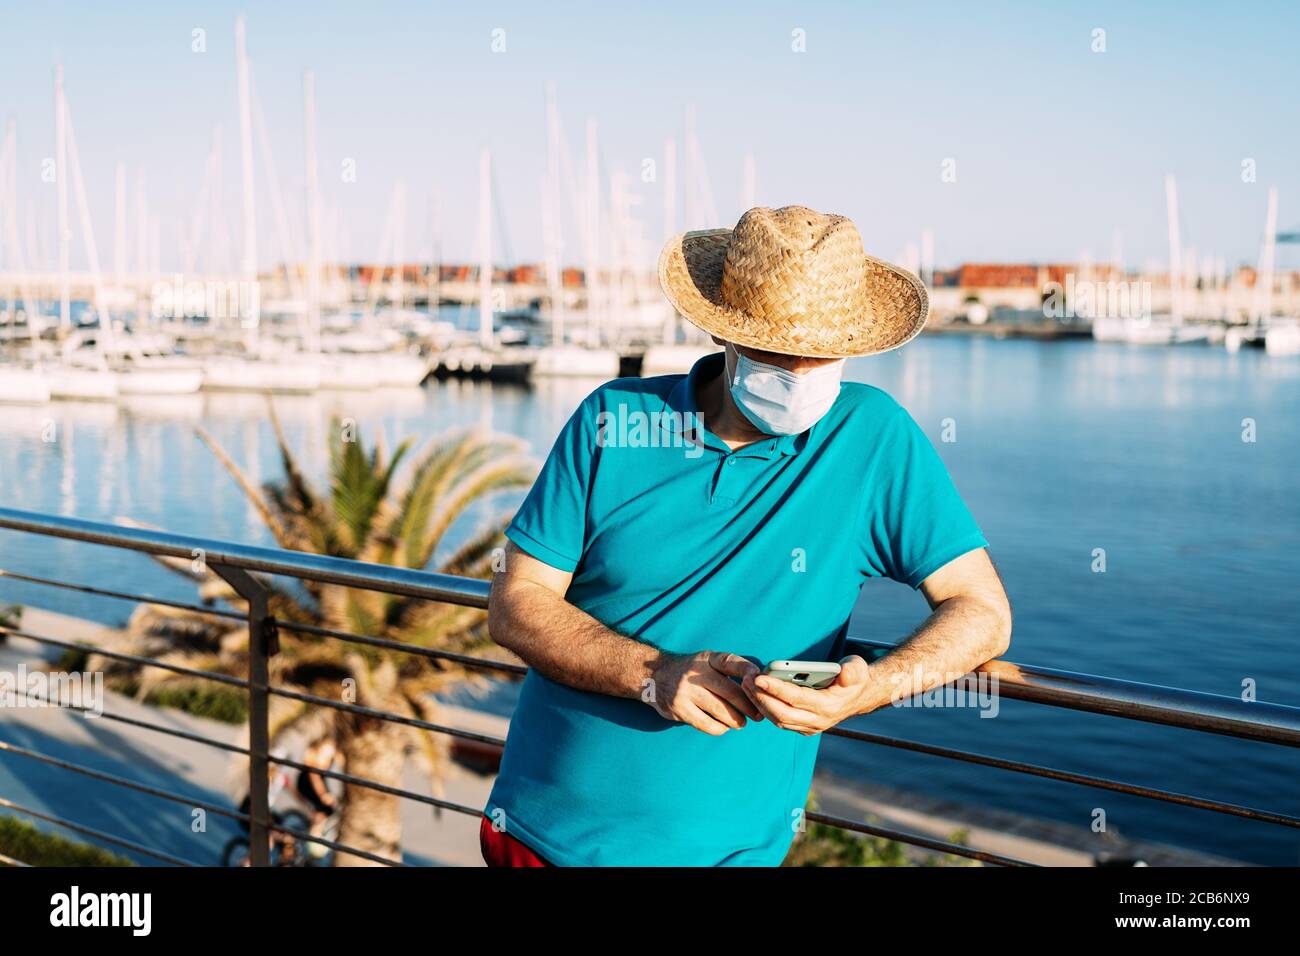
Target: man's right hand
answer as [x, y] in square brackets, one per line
[698, 689]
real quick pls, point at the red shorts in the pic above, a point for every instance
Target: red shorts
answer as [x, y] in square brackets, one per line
[501, 849]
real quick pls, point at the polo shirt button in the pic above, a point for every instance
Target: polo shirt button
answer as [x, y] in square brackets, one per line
[731, 461]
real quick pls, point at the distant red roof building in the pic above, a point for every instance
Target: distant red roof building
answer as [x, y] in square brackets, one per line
[1018, 275]
[525, 274]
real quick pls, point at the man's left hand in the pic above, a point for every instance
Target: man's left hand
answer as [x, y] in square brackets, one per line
[806, 710]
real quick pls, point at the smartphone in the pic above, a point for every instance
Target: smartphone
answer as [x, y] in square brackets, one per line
[814, 674]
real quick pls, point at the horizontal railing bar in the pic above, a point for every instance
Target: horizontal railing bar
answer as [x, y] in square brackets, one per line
[124, 595]
[97, 834]
[142, 724]
[128, 658]
[85, 771]
[1272, 723]
[428, 585]
[466, 659]
[1132, 700]
[187, 801]
[1067, 776]
[245, 752]
[376, 785]
[339, 847]
[385, 715]
[914, 839]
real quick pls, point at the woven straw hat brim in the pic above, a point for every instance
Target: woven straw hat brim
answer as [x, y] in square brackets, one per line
[690, 273]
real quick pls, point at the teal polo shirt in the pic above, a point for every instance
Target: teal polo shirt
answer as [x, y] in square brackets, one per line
[676, 540]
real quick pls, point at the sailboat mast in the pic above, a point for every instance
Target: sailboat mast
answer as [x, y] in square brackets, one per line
[397, 289]
[1175, 252]
[435, 272]
[249, 252]
[1263, 304]
[119, 227]
[313, 213]
[485, 248]
[216, 239]
[670, 223]
[551, 205]
[141, 227]
[10, 243]
[593, 234]
[748, 183]
[65, 237]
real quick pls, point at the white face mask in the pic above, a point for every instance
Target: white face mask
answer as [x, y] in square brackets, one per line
[778, 401]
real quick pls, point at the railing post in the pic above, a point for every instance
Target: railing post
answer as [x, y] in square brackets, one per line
[263, 641]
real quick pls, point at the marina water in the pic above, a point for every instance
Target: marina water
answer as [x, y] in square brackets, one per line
[1064, 451]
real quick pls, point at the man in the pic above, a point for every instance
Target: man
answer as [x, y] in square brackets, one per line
[651, 574]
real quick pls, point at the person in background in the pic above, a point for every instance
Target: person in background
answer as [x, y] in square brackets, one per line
[320, 754]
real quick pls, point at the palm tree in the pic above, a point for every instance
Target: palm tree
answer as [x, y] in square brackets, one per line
[11, 616]
[366, 513]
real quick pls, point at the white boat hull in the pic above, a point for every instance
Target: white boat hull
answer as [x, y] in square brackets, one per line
[158, 380]
[1282, 339]
[673, 359]
[402, 371]
[348, 372]
[23, 386]
[573, 361]
[1148, 331]
[257, 375]
[82, 384]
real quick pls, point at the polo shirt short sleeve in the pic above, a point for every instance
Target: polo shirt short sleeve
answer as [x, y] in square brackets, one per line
[915, 522]
[551, 523]
[677, 540]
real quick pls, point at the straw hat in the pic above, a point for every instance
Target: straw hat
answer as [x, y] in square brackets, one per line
[793, 281]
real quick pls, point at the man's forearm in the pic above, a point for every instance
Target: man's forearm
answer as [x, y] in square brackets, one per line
[568, 645]
[959, 635]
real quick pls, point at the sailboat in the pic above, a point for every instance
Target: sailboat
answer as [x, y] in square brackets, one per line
[562, 358]
[18, 384]
[358, 359]
[137, 364]
[264, 366]
[671, 357]
[1159, 329]
[1281, 334]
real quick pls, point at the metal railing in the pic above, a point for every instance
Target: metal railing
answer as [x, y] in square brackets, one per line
[237, 564]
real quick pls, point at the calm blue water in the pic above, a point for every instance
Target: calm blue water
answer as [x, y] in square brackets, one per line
[1061, 448]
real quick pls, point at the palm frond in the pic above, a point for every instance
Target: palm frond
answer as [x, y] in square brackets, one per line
[432, 474]
[250, 490]
[498, 474]
[474, 557]
[358, 487]
[295, 480]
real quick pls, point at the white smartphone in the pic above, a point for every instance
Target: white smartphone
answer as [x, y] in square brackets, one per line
[814, 674]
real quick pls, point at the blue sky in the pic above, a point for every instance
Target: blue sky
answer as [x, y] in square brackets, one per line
[1056, 147]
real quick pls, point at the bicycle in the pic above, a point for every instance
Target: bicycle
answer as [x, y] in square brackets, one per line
[287, 849]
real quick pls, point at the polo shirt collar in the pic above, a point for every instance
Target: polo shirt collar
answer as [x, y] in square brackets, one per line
[682, 402]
